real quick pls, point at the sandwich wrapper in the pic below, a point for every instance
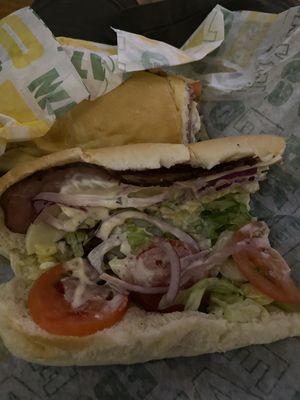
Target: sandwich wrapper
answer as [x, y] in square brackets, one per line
[251, 85]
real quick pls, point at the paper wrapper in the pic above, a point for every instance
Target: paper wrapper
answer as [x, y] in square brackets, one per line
[37, 79]
[252, 85]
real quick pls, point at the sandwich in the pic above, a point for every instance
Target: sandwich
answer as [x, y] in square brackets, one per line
[141, 252]
[145, 108]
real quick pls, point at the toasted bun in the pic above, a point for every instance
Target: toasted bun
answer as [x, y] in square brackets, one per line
[143, 108]
[144, 156]
[135, 157]
[18, 153]
[209, 153]
[139, 337]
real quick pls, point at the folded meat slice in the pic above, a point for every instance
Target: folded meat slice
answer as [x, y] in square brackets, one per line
[16, 202]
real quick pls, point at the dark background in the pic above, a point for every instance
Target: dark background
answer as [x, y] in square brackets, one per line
[171, 21]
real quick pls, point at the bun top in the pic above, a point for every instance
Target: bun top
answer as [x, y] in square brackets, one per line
[144, 107]
[143, 156]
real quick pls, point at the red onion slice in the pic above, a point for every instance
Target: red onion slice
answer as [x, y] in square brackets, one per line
[188, 260]
[130, 287]
[111, 223]
[174, 284]
[251, 236]
[96, 256]
[93, 200]
[51, 220]
[217, 258]
[200, 268]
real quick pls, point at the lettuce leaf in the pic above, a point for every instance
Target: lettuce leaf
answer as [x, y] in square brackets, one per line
[226, 213]
[191, 298]
[225, 300]
[208, 219]
[243, 310]
[230, 271]
[137, 236]
[140, 234]
[76, 241]
[252, 293]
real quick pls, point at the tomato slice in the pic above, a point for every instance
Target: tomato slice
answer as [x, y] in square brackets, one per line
[266, 270]
[197, 88]
[49, 309]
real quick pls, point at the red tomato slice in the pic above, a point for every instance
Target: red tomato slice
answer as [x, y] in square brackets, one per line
[197, 88]
[268, 272]
[49, 309]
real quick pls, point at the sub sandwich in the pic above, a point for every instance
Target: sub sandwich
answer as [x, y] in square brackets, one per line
[139, 252]
[145, 106]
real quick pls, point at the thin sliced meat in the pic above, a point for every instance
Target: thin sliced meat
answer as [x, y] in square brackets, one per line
[167, 176]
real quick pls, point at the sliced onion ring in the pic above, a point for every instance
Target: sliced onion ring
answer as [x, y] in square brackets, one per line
[130, 287]
[93, 200]
[111, 223]
[51, 220]
[174, 284]
[188, 260]
[96, 256]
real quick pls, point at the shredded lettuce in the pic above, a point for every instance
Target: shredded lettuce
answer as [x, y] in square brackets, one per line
[185, 216]
[254, 294]
[227, 213]
[208, 219]
[243, 310]
[140, 234]
[64, 252]
[191, 298]
[76, 241]
[137, 236]
[230, 271]
[225, 299]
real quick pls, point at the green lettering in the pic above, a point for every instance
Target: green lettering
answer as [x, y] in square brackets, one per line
[53, 97]
[45, 83]
[45, 87]
[97, 67]
[77, 62]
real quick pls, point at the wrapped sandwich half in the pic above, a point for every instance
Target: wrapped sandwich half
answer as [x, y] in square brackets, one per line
[145, 108]
[140, 252]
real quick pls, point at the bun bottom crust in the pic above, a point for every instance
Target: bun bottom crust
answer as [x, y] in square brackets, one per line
[141, 336]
